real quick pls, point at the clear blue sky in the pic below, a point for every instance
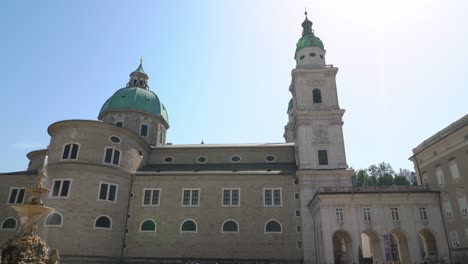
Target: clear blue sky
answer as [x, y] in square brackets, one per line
[222, 68]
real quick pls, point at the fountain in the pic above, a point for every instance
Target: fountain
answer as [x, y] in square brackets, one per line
[26, 246]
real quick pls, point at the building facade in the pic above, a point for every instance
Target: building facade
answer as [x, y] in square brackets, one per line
[123, 195]
[442, 161]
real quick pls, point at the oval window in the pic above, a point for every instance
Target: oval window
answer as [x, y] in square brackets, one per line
[235, 158]
[202, 159]
[312, 54]
[168, 159]
[302, 57]
[321, 56]
[270, 158]
[115, 140]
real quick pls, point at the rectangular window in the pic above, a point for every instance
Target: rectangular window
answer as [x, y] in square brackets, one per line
[339, 213]
[453, 167]
[112, 156]
[439, 175]
[454, 239]
[447, 209]
[107, 192]
[298, 212]
[16, 195]
[366, 211]
[119, 123]
[462, 205]
[60, 188]
[299, 244]
[298, 228]
[395, 214]
[190, 197]
[231, 197]
[296, 196]
[70, 151]
[151, 196]
[422, 213]
[272, 197]
[144, 130]
[323, 157]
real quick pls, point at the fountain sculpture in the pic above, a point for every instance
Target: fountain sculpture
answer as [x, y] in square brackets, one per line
[26, 246]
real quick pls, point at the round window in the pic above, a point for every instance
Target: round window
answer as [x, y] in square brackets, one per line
[235, 158]
[312, 54]
[202, 159]
[168, 159]
[115, 140]
[302, 57]
[270, 158]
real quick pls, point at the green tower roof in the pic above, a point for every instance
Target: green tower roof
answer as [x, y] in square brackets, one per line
[308, 38]
[134, 98]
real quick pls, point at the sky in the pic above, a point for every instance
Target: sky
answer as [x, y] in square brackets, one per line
[222, 68]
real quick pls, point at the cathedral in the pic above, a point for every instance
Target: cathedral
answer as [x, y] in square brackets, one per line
[121, 194]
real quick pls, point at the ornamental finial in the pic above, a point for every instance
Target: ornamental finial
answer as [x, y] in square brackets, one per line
[141, 60]
[305, 13]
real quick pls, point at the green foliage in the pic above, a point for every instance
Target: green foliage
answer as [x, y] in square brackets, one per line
[382, 175]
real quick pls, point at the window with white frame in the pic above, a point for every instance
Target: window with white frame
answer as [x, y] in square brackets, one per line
[395, 214]
[111, 155]
[191, 197]
[339, 213]
[273, 226]
[230, 226]
[272, 197]
[144, 129]
[188, 226]
[103, 222]
[422, 213]
[453, 167]
[9, 223]
[119, 122]
[151, 196]
[70, 151]
[462, 205]
[107, 192]
[454, 239]
[60, 188]
[54, 219]
[447, 209]
[366, 213]
[231, 196]
[16, 195]
[439, 175]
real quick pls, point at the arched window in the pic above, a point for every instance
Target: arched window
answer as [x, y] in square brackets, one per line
[273, 226]
[230, 226]
[188, 226]
[54, 219]
[70, 151]
[111, 155]
[9, 223]
[148, 225]
[317, 96]
[103, 222]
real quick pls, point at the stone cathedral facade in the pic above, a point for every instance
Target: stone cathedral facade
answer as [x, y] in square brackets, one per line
[123, 195]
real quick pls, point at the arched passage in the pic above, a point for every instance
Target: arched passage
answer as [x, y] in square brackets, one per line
[342, 248]
[370, 251]
[429, 244]
[399, 247]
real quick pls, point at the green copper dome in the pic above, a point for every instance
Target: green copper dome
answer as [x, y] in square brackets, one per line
[290, 105]
[134, 98]
[309, 40]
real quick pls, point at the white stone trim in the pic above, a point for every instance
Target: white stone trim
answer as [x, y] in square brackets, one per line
[3, 222]
[271, 232]
[102, 228]
[272, 196]
[189, 219]
[148, 231]
[230, 232]
[71, 148]
[60, 189]
[112, 156]
[240, 158]
[274, 158]
[112, 142]
[230, 198]
[151, 205]
[191, 190]
[61, 220]
[201, 162]
[108, 190]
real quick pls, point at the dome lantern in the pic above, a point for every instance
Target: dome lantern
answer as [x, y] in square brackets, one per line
[138, 78]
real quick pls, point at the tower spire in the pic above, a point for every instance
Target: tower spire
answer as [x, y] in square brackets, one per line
[307, 25]
[139, 78]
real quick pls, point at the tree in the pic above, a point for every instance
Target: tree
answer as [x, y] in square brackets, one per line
[382, 174]
[401, 180]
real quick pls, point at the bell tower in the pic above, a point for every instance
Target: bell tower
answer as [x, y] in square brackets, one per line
[315, 125]
[315, 117]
